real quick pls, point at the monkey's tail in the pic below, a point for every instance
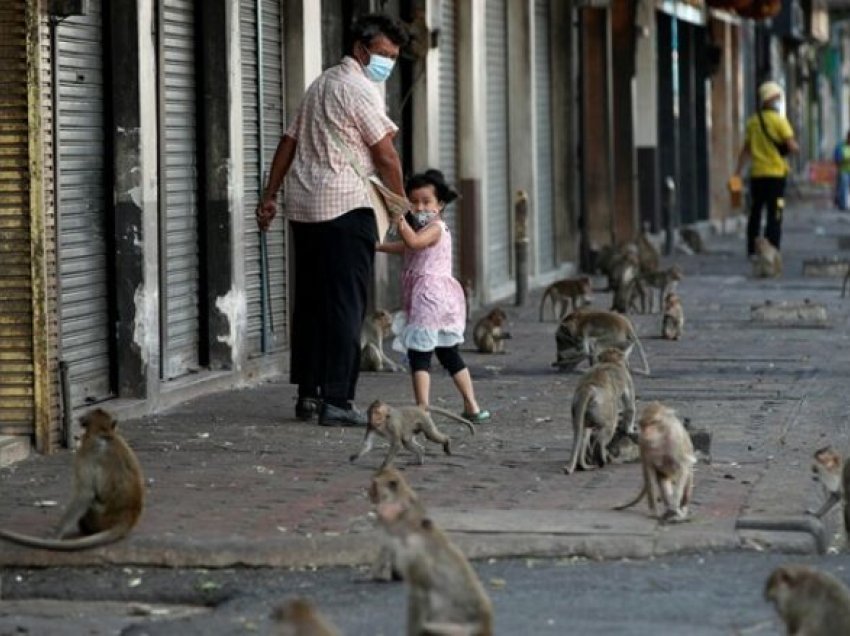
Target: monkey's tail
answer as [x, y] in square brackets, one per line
[640, 349]
[67, 545]
[579, 426]
[633, 501]
[452, 416]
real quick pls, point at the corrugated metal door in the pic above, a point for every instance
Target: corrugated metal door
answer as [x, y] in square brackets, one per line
[497, 199]
[83, 260]
[262, 127]
[543, 138]
[178, 189]
[16, 326]
[448, 150]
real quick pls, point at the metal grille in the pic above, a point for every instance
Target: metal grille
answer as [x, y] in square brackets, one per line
[179, 175]
[16, 363]
[83, 261]
[543, 207]
[447, 152]
[270, 81]
[497, 213]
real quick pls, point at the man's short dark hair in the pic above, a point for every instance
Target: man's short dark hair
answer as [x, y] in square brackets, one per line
[366, 28]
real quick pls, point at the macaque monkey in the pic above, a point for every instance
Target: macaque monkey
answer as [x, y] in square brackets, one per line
[810, 603]
[376, 327]
[622, 280]
[667, 457]
[674, 317]
[399, 425]
[665, 281]
[692, 239]
[445, 596]
[299, 617]
[490, 332]
[108, 491]
[648, 255]
[604, 399]
[565, 294]
[834, 475]
[768, 261]
[591, 331]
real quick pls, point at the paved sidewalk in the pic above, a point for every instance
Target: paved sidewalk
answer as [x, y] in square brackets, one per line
[233, 479]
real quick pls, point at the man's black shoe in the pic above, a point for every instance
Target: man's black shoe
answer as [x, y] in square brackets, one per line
[330, 415]
[306, 408]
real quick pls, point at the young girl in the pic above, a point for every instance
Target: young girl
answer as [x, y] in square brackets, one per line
[433, 317]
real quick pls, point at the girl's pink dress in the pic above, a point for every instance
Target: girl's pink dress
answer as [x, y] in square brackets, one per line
[433, 307]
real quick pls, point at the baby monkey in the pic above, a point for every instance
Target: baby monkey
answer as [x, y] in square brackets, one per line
[399, 425]
[490, 332]
[376, 327]
[810, 603]
[674, 317]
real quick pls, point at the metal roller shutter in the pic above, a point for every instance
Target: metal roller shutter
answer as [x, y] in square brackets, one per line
[497, 200]
[83, 260]
[448, 149]
[262, 126]
[543, 138]
[16, 348]
[178, 179]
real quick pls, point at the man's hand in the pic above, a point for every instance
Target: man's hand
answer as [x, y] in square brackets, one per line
[266, 211]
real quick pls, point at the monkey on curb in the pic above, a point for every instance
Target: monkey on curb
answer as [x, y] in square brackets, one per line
[833, 473]
[108, 491]
[603, 401]
[768, 260]
[565, 294]
[588, 332]
[667, 458]
[299, 617]
[399, 425]
[810, 603]
[445, 596]
[376, 327]
[490, 332]
[673, 321]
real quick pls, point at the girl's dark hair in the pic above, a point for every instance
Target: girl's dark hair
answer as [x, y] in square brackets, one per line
[431, 177]
[366, 28]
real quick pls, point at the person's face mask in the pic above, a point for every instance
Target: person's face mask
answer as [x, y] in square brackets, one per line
[423, 218]
[379, 67]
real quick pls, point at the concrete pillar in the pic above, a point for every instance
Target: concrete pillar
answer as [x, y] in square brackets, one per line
[134, 146]
[472, 137]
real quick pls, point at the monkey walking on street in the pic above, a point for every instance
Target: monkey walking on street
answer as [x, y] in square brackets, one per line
[566, 294]
[400, 425]
[445, 596]
[108, 491]
[664, 281]
[592, 331]
[810, 603]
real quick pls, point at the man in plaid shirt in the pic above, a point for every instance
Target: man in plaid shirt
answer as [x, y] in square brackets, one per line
[333, 225]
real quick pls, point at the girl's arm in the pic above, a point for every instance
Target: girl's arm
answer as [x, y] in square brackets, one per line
[426, 237]
[395, 247]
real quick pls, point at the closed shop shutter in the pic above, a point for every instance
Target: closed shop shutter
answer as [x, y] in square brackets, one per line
[498, 216]
[448, 150]
[262, 127]
[16, 319]
[179, 189]
[83, 261]
[544, 208]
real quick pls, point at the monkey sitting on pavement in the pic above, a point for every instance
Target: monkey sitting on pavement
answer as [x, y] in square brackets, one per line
[566, 293]
[376, 327]
[591, 331]
[667, 458]
[603, 401]
[299, 617]
[108, 491]
[399, 425]
[445, 596]
[810, 603]
[490, 332]
[768, 260]
[673, 321]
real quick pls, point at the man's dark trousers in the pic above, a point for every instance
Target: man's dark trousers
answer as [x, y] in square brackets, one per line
[333, 271]
[765, 192]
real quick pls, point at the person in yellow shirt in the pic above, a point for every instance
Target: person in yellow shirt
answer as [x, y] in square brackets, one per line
[768, 138]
